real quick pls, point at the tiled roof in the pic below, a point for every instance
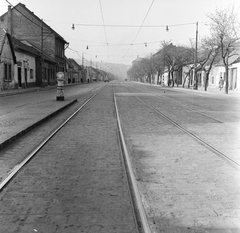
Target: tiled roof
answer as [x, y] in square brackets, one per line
[21, 46]
[2, 38]
[3, 35]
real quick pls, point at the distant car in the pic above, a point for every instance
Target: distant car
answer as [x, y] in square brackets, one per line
[106, 80]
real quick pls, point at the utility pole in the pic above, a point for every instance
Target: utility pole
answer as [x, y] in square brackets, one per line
[195, 59]
[42, 59]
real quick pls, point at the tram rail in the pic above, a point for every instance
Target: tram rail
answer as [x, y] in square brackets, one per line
[203, 142]
[136, 195]
[18, 166]
[177, 103]
[138, 209]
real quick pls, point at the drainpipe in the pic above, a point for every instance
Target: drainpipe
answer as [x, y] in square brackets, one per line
[9, 22]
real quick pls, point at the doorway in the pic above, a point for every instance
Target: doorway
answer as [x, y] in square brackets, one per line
[19, 77]
[25, 77]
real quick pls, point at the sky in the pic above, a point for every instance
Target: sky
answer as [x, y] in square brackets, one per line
[122, 39]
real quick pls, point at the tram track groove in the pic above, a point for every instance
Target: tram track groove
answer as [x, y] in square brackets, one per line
[184, 107]
[142, 223]
[18, 166]
[207, 145]
[137, 197]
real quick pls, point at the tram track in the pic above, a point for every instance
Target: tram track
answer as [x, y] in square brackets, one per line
[138, 209]
[203, 142]
[184, 179]
[132, 181]
[18, 166]
[179, 104]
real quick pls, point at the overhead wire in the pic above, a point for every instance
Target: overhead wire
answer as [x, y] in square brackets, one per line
[139, 29]
[129, 26]
[108, 25]
[104, 26]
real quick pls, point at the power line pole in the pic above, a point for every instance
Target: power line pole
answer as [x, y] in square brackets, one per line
[42, 59]
[195, 59]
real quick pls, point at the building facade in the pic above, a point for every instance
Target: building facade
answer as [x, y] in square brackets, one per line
[24, 25]
[7, 61]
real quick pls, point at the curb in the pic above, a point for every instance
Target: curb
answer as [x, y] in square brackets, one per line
[29, 128]
[24, 91]
[33, 89]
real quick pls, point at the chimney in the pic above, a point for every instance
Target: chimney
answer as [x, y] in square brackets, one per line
[9, 22]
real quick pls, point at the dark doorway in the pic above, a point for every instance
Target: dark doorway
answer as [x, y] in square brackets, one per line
[25, 76]
[19, 77]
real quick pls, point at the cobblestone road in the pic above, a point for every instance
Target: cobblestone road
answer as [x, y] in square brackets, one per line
[76, 183]
[18, 112]
[184, 186]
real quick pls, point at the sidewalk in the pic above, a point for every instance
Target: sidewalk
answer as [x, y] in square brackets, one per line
[210, 90]
[76, 183]
[24, 90]
[32, 89]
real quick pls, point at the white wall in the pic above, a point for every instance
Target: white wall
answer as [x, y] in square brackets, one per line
[30, 63]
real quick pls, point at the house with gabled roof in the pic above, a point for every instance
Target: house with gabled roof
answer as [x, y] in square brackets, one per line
[24, 25]
[75, 71]
[218, 71]
[7, 61]
[25, 70]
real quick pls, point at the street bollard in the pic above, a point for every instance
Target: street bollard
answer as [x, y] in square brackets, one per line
[60, 80]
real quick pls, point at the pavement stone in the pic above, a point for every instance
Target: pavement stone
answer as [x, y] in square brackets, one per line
[76, 183]
[20, 121]
[185, 187]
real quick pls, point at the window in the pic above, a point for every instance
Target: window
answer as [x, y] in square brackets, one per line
[59, 49]
[7, 72]
[31, 73]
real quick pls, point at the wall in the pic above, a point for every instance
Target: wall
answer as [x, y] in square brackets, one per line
[219, 71]
[29, 64]
[6, 58]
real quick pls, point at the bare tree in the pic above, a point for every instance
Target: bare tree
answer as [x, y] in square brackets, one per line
[210, 55]
[175, 57]
[148, 68]
[224, 29]
[158, 63]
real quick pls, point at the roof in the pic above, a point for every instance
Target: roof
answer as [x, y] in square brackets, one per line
[20, 5]
[3, 35]
[2, 39]
[21, 46]
[233, 58]
[28, 48]
[73, 62]
[96, 70]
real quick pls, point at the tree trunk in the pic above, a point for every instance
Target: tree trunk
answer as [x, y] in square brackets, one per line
[206, 81]
[172, 79]
[226, 85]
[158, 77]
[149, 78]
[184, 80]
